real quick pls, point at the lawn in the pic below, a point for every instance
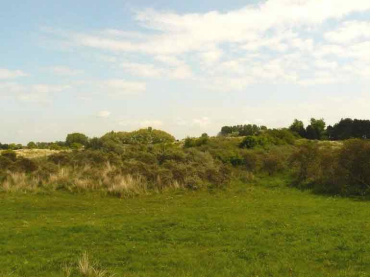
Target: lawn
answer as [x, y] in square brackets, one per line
[249, 230]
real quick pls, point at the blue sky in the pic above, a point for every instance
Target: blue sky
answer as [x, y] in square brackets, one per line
[186, 67]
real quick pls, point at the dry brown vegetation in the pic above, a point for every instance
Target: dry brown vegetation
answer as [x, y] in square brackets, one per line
[85, 268]
[35, 153]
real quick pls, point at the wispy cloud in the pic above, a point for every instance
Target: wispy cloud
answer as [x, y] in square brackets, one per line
[65, 71]
[11, 74]
[119, 86]
[32, 93]
[276, 41]
[104, 114]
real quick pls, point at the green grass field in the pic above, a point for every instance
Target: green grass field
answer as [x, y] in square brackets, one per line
[247, 230]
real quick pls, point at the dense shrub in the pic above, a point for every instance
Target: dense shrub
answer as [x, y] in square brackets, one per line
[273, 162]
[5, 163]
[10, 154]
[325, 169]
[354, 163]
[25, 165]
[249, 142]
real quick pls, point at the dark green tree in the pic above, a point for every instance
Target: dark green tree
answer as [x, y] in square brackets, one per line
[31, 145]
[298, 127]
[77, 138]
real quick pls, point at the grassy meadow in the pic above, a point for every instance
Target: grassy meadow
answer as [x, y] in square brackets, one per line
[142, 204]
[257, 229]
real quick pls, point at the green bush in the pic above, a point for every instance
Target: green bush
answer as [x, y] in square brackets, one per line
[5, 163]
[249, 142]
[25, 165]
[10, 154]
[325, 169]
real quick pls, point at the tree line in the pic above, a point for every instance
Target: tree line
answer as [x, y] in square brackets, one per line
[317, 129]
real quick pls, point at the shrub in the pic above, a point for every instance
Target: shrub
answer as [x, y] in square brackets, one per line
[354, 162]
[5, 163]
[25, 165]
[272, 163]
[249, 142]
[10, 154]
[250, 160]
[344, 171]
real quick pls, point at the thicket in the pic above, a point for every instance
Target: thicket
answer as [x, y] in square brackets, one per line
[127, 163]
[317, 129]
[138, 169]
[333, 170]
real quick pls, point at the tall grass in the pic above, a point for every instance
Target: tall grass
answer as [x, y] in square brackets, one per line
[107, 179]
[85, 268]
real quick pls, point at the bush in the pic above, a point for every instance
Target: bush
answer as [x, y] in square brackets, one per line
[25, 165]
[249, 142]
[354, 163]
[10, 154]
[5, 163]
[273, 163]
[250, 161]
[343, 171]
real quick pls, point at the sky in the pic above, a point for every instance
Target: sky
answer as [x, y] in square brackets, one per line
[186, 67]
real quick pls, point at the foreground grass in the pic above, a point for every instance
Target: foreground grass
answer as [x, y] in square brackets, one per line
[245, 231]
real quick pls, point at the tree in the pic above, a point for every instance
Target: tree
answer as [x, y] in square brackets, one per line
[311, 133]
[95, 143]
[298, 127]
[77, 138]
[31, 145]
[249, 142]
[316, 130]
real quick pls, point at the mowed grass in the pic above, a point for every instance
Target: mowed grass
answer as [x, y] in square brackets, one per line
[249, 230]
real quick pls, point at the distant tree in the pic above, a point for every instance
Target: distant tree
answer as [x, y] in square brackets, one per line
[95, 143]
[31, 145]
[14, 146]
[76, 146]
[77, 138]
[226, 130]
[249, 142]
[298, 127]
[189, 142]
[54, 146]
[316, 130]
[241, 130]
[348, 128]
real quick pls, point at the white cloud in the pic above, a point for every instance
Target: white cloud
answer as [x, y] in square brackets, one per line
[11, 74]
[349, 32]
[153, 71]
[169, 60]
[104, 114]
[212, 56]
[65, 71]
[181, 122]
[151, 123]
[183, 33]
[326, 64]
[31, 93]
[145, 70]
[202, 122]
[275, 41]
[118, 86]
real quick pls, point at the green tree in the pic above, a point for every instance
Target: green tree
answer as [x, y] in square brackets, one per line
[316, 130]
[249, 142]
[77, 138]
[298, 127]
[31, 145]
